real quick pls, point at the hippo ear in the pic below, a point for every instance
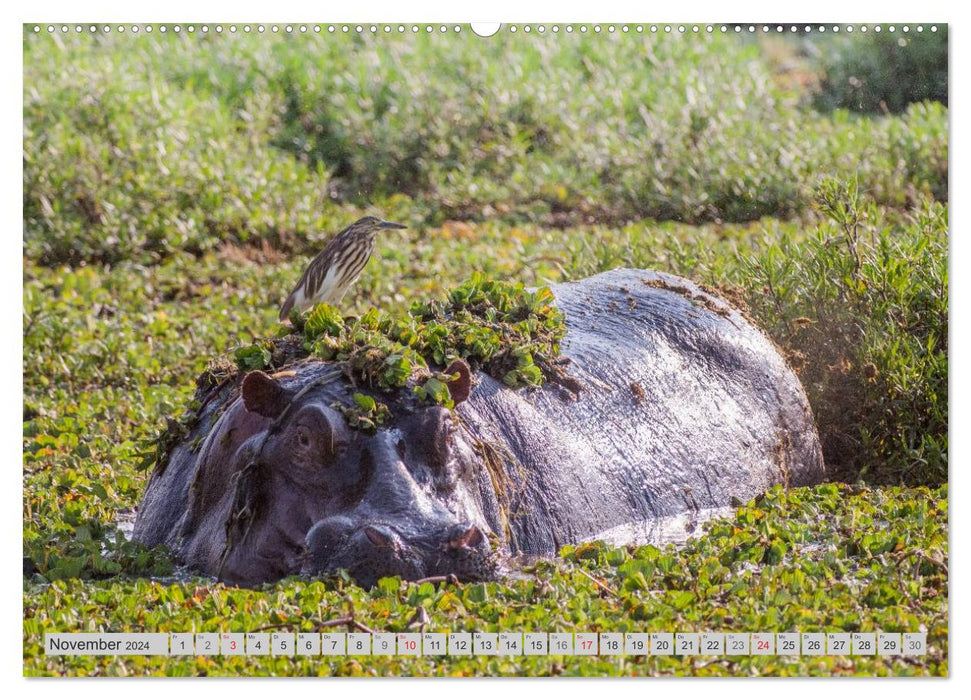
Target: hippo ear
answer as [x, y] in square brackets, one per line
[264, 395]
[461, 387]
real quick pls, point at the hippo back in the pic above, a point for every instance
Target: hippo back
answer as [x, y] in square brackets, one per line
[684, 405]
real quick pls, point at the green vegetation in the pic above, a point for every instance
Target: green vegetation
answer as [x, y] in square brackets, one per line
[881, 72]
[507, 331]
[499, 327]
[861, 307]
[174, 188]
[880, 555]
[136, 147]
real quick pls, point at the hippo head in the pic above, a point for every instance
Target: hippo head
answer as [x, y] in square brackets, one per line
[308, 494]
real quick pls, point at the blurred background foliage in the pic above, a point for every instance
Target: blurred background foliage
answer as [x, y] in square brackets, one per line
[138, 146]
[883, 72]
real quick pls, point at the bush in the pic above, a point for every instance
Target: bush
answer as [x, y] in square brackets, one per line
[882, 72]
[141, 146]
[861, 308]
[120, 165]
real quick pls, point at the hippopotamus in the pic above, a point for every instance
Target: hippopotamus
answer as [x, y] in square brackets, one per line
[677, 402]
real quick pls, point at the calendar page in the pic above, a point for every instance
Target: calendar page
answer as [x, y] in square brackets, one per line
[608, 348]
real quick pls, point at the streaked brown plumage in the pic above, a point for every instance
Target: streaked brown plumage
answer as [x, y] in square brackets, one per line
[330, 274]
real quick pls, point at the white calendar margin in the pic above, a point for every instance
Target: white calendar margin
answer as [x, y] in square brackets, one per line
[418, 11]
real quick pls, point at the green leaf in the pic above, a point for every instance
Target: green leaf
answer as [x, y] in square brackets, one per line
[365, 403]
[252, 357]
[323, 319]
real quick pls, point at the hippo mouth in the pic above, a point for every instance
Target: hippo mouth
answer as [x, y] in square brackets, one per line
[372, 550]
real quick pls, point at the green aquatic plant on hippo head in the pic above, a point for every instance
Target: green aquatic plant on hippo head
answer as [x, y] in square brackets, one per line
[509, 332]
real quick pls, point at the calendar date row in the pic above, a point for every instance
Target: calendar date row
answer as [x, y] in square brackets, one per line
[285, 643]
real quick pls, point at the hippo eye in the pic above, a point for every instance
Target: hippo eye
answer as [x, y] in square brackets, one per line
[316, 436]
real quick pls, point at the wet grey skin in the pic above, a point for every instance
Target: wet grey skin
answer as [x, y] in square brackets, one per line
[683, 406]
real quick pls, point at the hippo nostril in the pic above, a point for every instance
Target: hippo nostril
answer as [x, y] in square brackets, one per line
[378, 538]
[470, 536]
[328, 535]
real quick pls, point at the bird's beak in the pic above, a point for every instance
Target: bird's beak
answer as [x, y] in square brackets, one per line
[390, 224]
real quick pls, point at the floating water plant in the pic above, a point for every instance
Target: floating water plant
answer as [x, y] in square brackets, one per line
[504, 329]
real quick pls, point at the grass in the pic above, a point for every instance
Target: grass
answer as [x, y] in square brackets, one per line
[861, 307]
[174, 189]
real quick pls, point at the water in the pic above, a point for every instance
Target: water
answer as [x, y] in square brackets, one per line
[125, 521]
[673, 529]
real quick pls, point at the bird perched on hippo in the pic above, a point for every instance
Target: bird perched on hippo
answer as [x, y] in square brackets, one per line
[675, 402]
[334, 269]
